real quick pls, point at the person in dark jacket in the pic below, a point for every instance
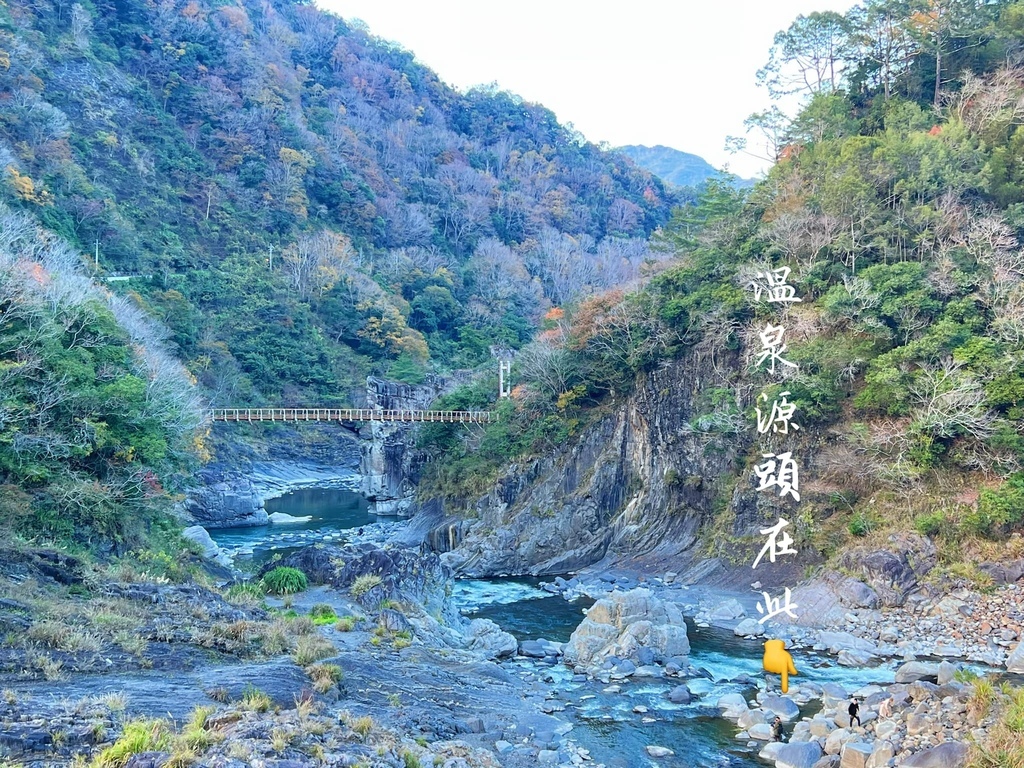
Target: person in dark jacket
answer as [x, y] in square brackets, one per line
[777, 729]
[854, 712]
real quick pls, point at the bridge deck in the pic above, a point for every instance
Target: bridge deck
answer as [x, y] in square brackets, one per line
[348, 414]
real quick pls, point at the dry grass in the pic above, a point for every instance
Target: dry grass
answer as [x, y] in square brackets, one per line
[312, 648]
[324, 676]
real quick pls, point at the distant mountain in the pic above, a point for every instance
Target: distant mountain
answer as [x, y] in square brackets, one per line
[673, 166]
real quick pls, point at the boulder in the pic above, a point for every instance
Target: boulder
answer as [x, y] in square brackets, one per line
[750, 718]
[844, 641]
[783, 706]
[394, 621]
[1015, 661]
[655, 751]
[951, 754]
[913, 671]
[680, 695]
[802, 755]
[623, 623]
[749, 627]
[836, 740]
[946, 672]
[732, 705]
[882, 753]
[832, 694]
[727, 610]
[211, 551]
[855, 754]
[490, 640]
[856, 594]
[760, 731]
[894, 572]
[851, 658]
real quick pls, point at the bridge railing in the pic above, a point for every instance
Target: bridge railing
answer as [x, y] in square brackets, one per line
[347, 414]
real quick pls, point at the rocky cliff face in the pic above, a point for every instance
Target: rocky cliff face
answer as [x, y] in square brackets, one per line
[254, 463]
[641, 480]
[390, 464]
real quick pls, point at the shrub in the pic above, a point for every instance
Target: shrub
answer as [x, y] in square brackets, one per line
[930, 523]
[345, 624]
[255, 700]
[324, 676]
[312, 648]
[284, 581]
[364, 584]
[322, 614]
[860, 525]
[410, 760]
[138, 736]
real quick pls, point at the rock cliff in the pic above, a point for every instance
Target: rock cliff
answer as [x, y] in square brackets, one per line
[390, 464]
[641, 480]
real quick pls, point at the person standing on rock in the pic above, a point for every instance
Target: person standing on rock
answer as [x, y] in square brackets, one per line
[854, 712]
[885, 708]
[777, 729]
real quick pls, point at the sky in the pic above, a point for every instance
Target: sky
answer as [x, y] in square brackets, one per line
[675, 72]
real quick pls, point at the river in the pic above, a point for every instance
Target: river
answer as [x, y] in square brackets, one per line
[604, 720]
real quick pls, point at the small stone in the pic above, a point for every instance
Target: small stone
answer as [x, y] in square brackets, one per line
[655, 751]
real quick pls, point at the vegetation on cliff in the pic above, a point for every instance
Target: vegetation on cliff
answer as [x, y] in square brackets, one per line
[97, 419]
[897, 202]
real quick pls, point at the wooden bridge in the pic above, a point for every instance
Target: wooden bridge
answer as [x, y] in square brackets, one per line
[252, 415]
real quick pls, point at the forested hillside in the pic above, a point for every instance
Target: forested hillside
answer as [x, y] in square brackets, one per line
[300, 202]
[897, 202]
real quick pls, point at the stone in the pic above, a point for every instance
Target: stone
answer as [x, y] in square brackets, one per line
[623, 623]
[918, 724]
[855, 754]
[854, 658]
[832, 694]
[913, 671]
[732, 705]
[840, 641]
[882, 753]
[783, 706]
[769, 751]
[946, 672]
[802, 755]
[760, 731]
[490, 640]
[749, 627]
[885, 729]
[546, 756]
[501, 746]
[211, 551]
[894, 572]
[835, 741]
[680, 695]
[1015, 661]
[820, 728]
[727, 610]
[394, 621]
[281, 517]
[655, 751]
[750, 718]
[535, 649]
[856, 594]
[951, 754]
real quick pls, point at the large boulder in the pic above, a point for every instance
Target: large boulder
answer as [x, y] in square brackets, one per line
[211, 551]
[624, 622]
[226, 503]
[951, 754]
[913, 671]
[894, 572]
[844, 641]
[856, 754]
[783, 706]
[1015, 661]
[800, 755]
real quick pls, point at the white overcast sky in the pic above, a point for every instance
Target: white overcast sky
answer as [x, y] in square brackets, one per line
[672, 72]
